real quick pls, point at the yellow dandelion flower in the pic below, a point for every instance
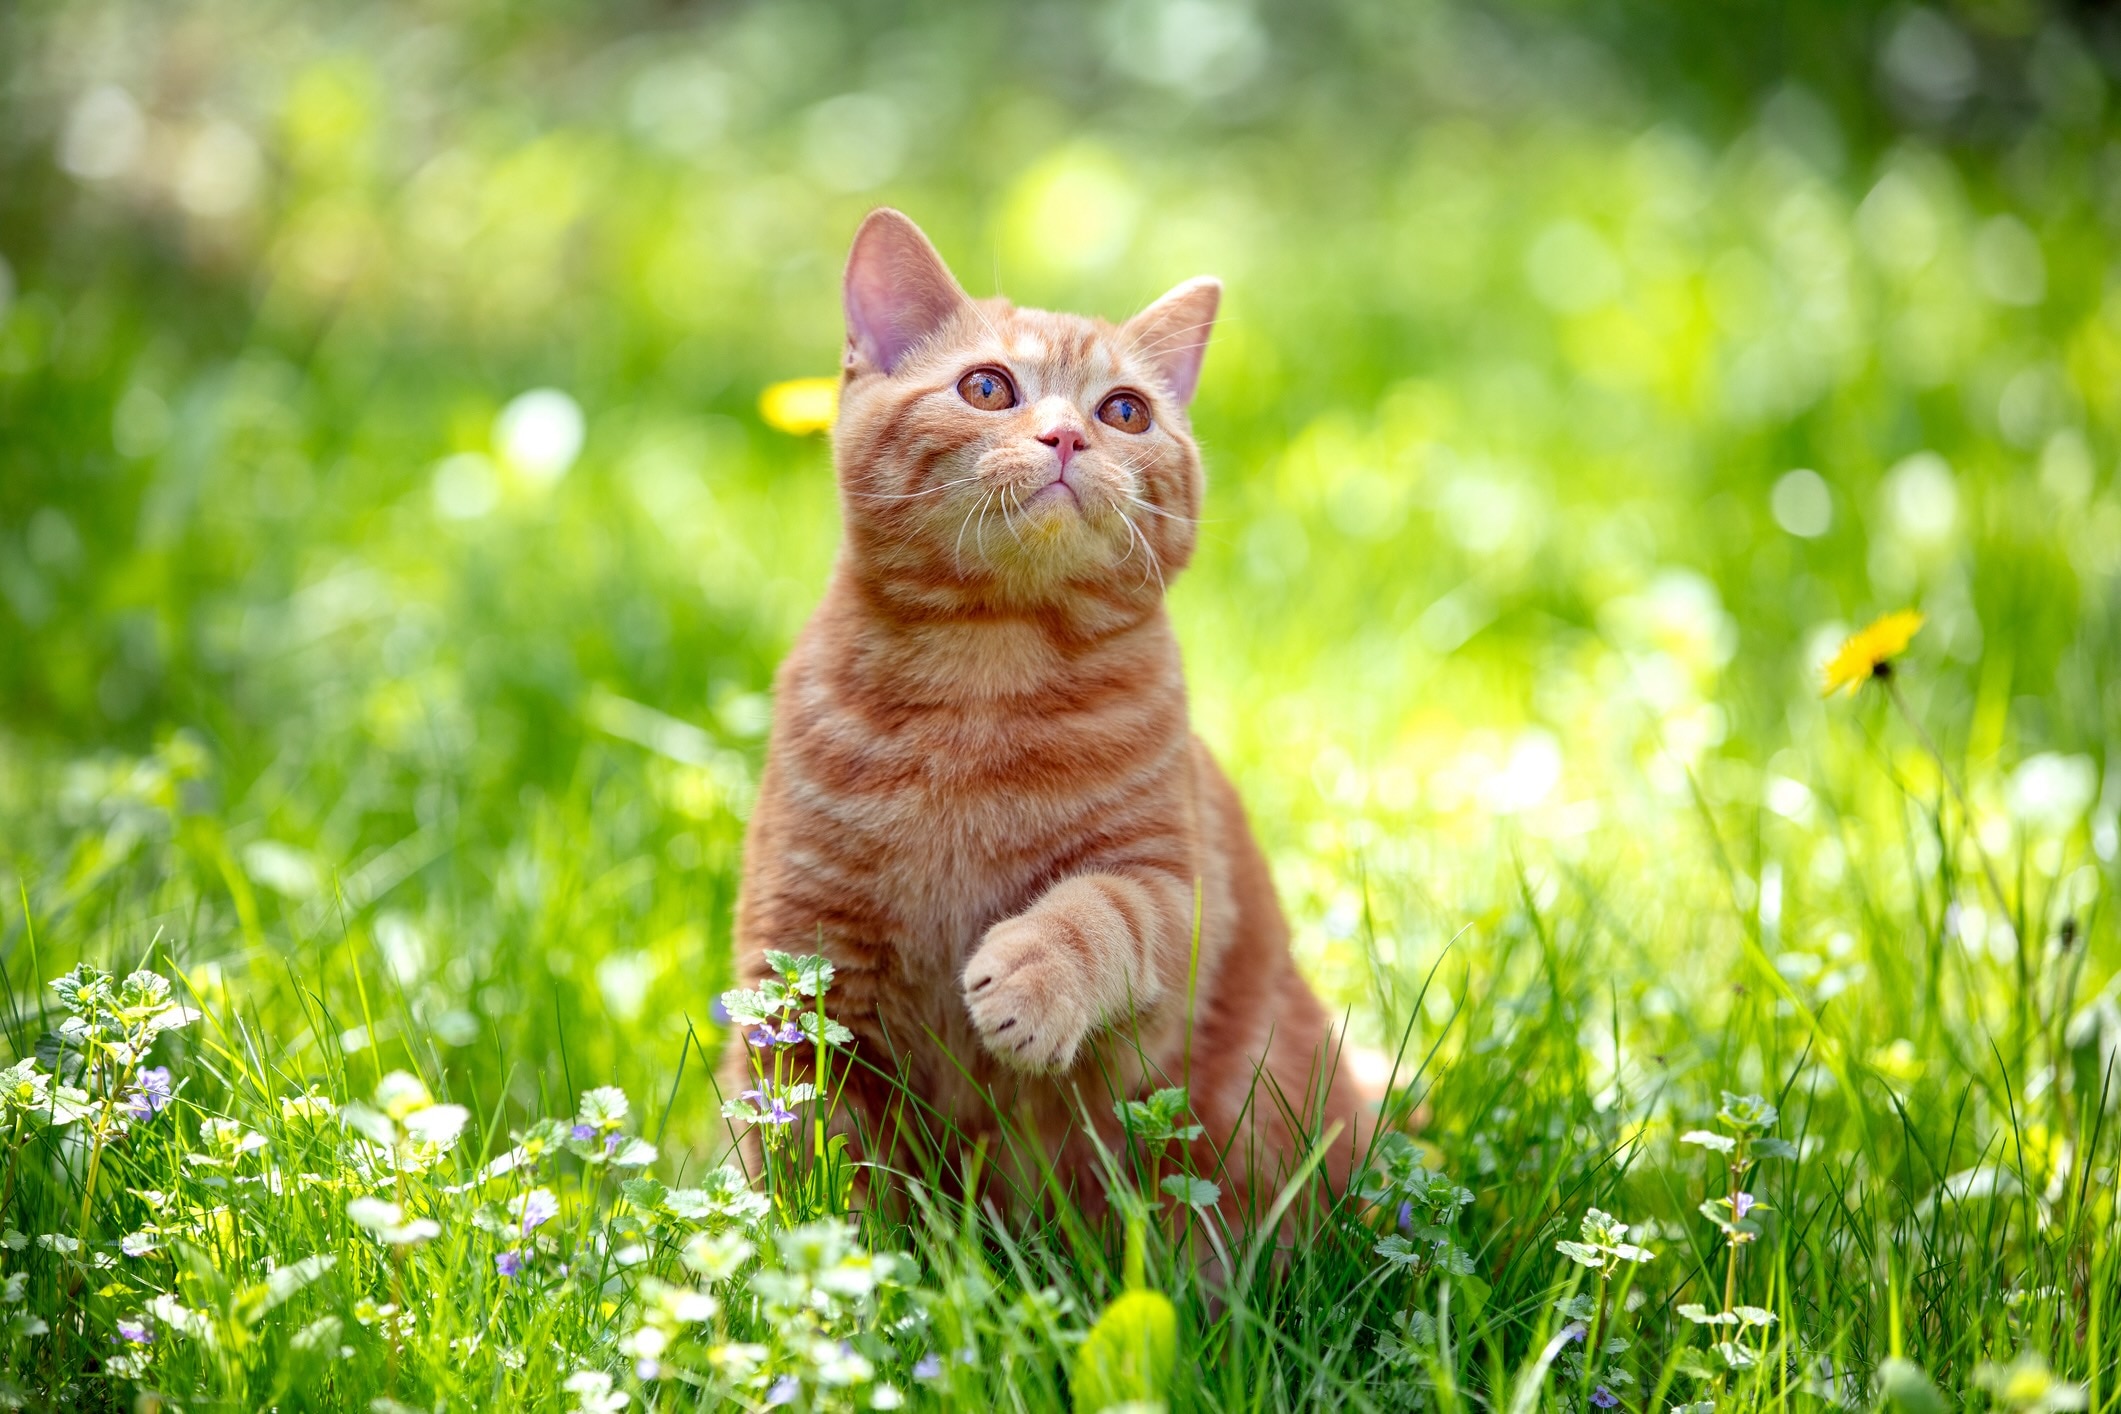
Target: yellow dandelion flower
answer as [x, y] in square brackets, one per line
[1869, 652]
[801, 406]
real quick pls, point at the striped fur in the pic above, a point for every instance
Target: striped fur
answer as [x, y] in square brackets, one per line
[982, 798]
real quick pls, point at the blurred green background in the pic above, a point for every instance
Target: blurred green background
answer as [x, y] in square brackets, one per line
[393, 561]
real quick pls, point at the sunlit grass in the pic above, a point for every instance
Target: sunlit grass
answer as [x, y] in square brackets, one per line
[410, 477]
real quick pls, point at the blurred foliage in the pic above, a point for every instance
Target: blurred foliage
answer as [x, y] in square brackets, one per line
[391, 552]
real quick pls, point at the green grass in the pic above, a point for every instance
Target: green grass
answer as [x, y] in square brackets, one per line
[396, 756]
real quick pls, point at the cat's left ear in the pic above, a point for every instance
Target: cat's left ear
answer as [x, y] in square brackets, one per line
[1173, 333]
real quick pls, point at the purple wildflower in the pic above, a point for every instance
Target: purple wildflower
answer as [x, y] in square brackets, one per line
[1604, 1398]
[150, 1093]
[1574, 1330]
[719, 1012]
[928, 1367]
[761, 1037]
[784, 1390]
[1406, 1218]
[1741, 1205]
[508, 1263]
[776, 1111]
[538, 1208]
[582, 1133]
[137, 1330]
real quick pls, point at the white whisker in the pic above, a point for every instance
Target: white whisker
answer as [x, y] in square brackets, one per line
[1158, 510]
[979, 536]
[912, 495]
[957, 555]
[1009, 496]
[1172, 338]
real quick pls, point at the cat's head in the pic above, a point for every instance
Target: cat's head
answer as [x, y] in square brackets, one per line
[990, 455]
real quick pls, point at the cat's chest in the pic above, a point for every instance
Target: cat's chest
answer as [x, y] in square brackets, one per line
[961, 818]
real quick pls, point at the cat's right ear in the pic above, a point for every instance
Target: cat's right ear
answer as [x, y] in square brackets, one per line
[898, 291]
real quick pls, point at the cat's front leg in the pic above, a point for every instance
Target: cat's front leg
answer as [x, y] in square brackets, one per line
[1082, 956]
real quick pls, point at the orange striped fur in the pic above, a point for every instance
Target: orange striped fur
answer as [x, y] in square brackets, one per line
[982, 798]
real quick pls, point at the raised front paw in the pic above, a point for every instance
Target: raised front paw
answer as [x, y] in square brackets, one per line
[1029, 994]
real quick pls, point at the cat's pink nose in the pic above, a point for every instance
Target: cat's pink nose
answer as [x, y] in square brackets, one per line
[1065, 441]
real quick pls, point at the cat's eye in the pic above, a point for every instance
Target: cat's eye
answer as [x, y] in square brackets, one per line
[1126, 411]
[988, 389]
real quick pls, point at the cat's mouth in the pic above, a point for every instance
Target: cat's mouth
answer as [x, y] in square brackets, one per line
[1055, 493]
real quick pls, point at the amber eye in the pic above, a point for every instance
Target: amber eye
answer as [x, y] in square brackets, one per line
[1126, 411]
[988, 389]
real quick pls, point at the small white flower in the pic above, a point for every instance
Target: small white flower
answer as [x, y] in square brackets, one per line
[438, 1125]
[400, 1093]
[593, 1392]
[387, 1221]
[605, 1107]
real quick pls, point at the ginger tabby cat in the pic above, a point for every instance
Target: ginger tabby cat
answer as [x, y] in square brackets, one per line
[982, 799]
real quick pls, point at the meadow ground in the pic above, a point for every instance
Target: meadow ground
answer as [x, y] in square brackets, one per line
[395, 550]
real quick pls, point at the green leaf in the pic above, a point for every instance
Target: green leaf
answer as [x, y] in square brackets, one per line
[645, 1194]
[1193, 1192]
[1130, 1354]
[280, 1287]
[1397, 1250]
[1904, 1388]
[809, 974]
[1474, 1290]
[1747, 1112]
[1154, 1119]
[750, 1008]
[835, 1034]
[1700, 1315]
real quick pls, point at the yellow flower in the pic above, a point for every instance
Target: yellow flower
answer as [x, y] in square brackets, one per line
[1868, 653]
[801, 406]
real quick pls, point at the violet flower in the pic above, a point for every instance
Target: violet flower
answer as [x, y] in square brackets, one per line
[150, 1093]
[539, 1208]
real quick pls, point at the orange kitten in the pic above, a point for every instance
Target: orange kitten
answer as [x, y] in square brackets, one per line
[982, 798]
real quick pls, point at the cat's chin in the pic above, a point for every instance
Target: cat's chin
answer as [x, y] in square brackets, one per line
[1057, 493]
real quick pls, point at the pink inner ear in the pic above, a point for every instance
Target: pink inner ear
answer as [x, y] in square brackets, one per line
[898, 291]
[1173, 333]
